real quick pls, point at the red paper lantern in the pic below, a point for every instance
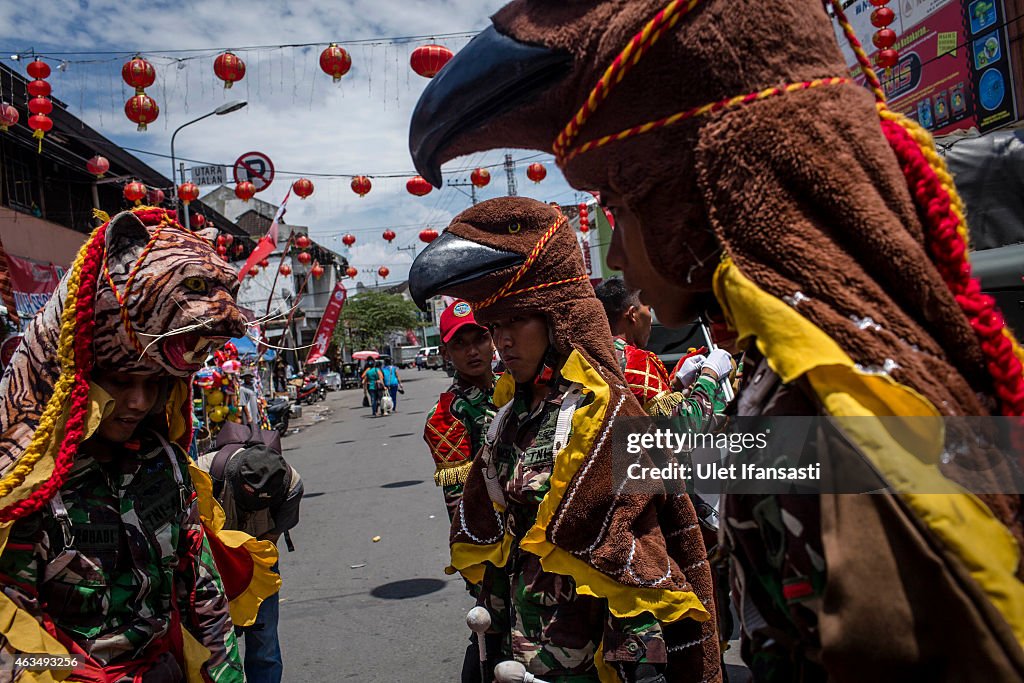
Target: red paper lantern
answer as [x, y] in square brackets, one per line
[427, 60]
[335, 62]
[304, 257]
[40, 105]
[285, 269]
[97, 166]
[188, 192]
[389, 235]
[884, 38]
[882, 17]
[480, 177]
[887, 58]
[254, 271]
[222, 251]
[302, 242]
[134, 191]
[156, 197]
[428, 235]
[229, 68]
[383, 272]
[303, 187]
[264, 263]
[418, 186]
[584, 218]
[38, 69]
[229, 238]
[38, 88]
[239, 248]
[351, 272]
[361, 185]
[40, 123]
[138, 73]
[317, 270]
[245, 190]
[8, 115]
[221, 241]
[536, 172]
[349, 239]
[197, 220]
[141, 109]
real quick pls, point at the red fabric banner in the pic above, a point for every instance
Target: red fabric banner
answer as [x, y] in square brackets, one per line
[325, 330]
[32, 284]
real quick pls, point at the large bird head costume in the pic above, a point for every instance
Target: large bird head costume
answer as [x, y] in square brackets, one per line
[515, 254]
[733, 127]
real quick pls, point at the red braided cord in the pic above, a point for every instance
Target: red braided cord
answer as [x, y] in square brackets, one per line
[948, 250]
[74, 429]
[858, 50]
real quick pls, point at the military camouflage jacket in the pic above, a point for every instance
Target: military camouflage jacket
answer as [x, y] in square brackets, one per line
[548, 626]
[130, 548]
[455, 431]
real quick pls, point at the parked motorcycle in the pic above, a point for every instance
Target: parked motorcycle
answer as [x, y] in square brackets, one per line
[278, 412]
[311, 390]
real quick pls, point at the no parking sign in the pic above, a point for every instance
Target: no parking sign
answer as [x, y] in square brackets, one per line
[257, 168]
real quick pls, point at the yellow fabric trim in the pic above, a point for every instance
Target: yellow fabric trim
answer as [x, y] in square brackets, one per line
[605, 672]
[196, 654]
[451, 473]
[264, 581]
[905, 452]
[468, 558]
[504, 390]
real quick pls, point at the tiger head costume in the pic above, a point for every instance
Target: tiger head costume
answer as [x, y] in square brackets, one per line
[144, 296]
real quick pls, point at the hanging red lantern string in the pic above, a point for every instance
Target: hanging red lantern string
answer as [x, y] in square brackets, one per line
[141, 110]
[155, 197]
[351, 272]
[428, 235]
[418, 186]
[884, 37]
[480, 177]
[389, 235]
[303, 187]
[335, 62]
[134, 192]
[97, 166]
[427, 60]
[239, 248]
[197, 220]
[222, 251]
[304, 257]
[317, 270]
[536, 172]
[188, 192]
[361, 185]
[221, 241]
[584, 218]
[40, 105]
[138, 73]
[8, 115]
[349, 239]
[264, 263]
[383, 272]
[303, 242]
[254, 271]
[229, 238]
[245, 190]
[285, 269]
[229, 68]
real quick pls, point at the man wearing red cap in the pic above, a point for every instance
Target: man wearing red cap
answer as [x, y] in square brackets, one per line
[456, 426]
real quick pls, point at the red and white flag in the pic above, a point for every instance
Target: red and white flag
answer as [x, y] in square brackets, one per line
[265, 247]
[325, 330]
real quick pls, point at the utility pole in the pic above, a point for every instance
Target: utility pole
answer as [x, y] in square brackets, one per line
[510, 173]
[462, 183]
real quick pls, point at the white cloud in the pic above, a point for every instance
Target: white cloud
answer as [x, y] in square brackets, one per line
[302, 120]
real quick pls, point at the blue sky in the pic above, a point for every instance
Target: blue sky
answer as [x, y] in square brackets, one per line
[306, 123]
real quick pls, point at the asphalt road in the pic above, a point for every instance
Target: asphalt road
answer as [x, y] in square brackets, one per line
[353, 609]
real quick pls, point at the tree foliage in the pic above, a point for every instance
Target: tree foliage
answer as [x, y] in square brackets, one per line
[371, 316]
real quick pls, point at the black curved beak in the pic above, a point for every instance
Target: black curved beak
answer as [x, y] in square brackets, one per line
[492, 75]
[451, 260]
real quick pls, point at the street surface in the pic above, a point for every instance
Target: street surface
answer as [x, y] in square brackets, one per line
[352, 609]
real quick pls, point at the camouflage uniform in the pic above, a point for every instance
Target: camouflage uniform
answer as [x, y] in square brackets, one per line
[130, 549]
[548, 626]
[455, 431]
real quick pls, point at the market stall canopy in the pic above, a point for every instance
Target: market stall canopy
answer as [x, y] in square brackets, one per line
[246, 347]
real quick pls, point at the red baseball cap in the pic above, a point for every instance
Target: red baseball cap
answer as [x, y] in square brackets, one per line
[454, 318]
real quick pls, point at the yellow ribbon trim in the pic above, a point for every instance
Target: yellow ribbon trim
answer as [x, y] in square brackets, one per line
[905, 452]
[623, 601]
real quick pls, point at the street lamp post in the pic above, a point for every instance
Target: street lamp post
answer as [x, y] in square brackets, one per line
[225, 108]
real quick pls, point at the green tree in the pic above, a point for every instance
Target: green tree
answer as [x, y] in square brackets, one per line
[371, 316]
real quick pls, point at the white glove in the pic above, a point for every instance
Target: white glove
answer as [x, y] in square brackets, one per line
[720, 361]
[691, 366]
